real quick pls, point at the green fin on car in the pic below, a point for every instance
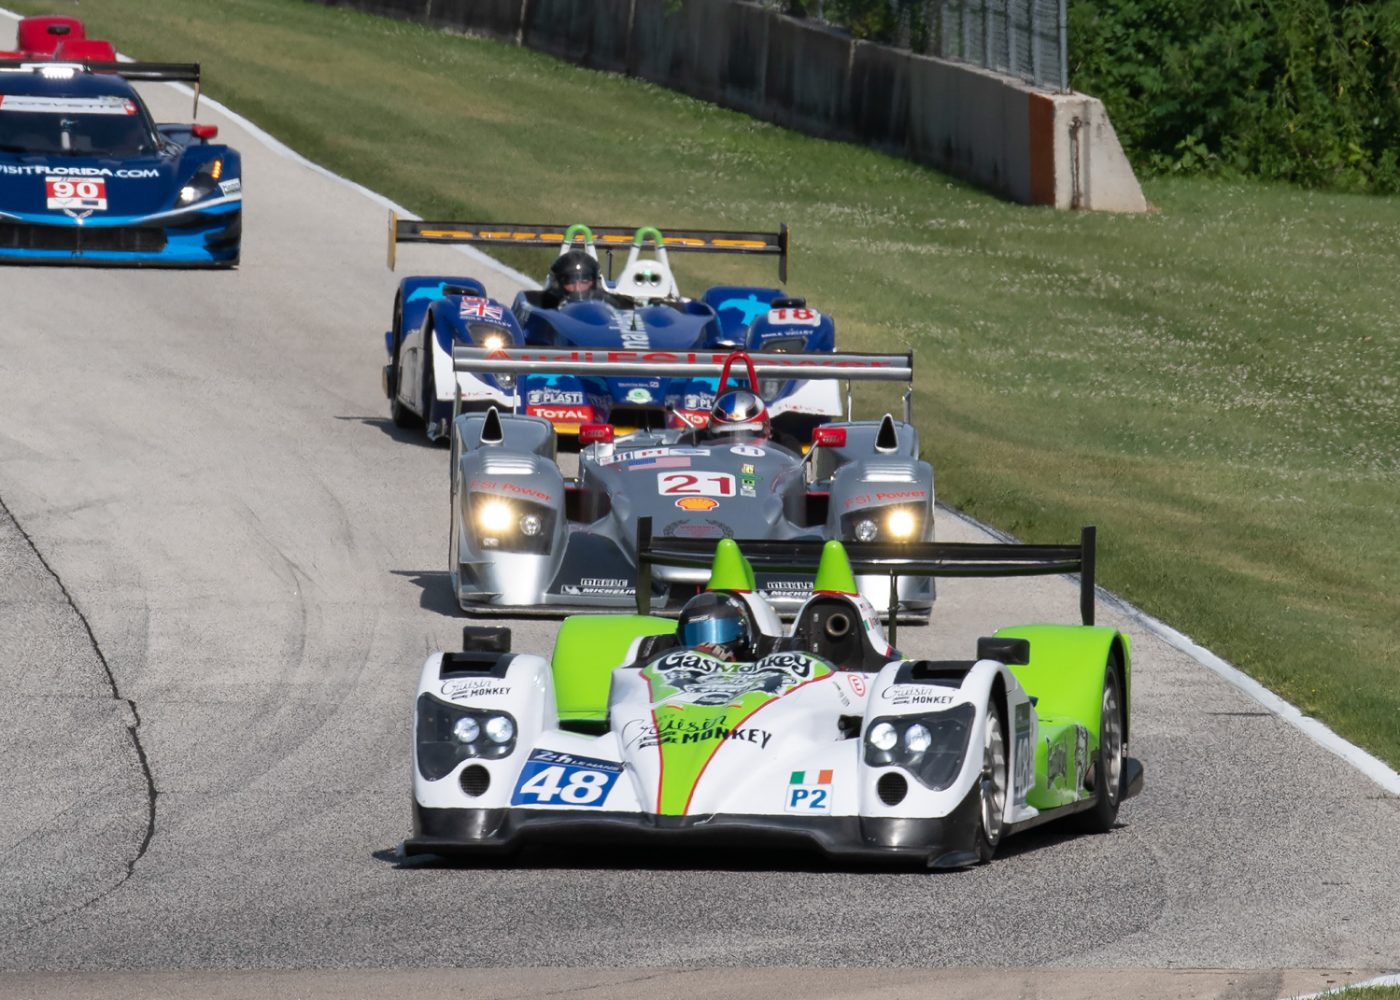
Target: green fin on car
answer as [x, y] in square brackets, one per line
[834, 571]
[730, 570]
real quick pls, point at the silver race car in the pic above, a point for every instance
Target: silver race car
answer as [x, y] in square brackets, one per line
[526, 539]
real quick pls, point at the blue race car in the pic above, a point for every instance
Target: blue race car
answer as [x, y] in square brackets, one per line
[87, 177]
[640, 310]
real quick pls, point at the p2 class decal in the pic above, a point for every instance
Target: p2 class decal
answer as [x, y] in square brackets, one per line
[695, 484]
[1025, 758]
[808, 792]
[79, 193]
[554, 778]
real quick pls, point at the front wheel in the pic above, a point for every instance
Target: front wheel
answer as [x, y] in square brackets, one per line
[1108, 759]
[991, 823]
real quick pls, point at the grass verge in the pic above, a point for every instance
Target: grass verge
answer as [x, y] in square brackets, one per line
[1215, 384]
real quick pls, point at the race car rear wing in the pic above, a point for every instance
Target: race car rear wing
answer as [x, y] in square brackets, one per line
[690, 364]
[607, 237]
[143, 72]
[948, 559]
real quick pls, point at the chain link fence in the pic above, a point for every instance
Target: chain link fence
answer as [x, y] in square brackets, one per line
[1021, 38]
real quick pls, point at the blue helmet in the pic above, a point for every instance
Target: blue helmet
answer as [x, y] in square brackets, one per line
[720, 621]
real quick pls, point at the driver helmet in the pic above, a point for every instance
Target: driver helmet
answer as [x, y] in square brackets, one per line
[573, 277]
[740, 411]
[719, 624]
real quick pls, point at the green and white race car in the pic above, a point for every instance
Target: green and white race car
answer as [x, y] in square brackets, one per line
[723, 727]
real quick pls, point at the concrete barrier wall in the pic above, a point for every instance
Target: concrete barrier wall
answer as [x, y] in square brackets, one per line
[995, 131]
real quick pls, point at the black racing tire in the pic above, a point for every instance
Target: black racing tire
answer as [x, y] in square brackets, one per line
[993, 785]
[1107, 762]
[401, 415]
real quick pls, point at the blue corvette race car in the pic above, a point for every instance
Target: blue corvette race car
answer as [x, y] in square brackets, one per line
[641, 309]
[87, 177]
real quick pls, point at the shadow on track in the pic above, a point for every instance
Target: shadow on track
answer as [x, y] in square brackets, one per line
[436, 590]
[407, 435]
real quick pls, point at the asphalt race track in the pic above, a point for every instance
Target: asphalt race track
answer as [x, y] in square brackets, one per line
[221, 568]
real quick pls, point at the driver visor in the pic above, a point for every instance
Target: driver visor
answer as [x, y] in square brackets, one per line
[710, 631]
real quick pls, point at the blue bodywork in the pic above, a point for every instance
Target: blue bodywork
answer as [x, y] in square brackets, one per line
[171, 200]
[432, 312]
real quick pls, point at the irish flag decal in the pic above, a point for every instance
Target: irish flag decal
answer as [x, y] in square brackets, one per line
[809, 792]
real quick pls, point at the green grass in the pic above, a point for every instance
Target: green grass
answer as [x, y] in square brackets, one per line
[1215, 384]
[1368, 993]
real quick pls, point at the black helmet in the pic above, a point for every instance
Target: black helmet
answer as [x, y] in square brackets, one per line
[720, 621]
[573, 277]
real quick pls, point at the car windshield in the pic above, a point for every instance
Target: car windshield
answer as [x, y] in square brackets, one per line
[74, 126]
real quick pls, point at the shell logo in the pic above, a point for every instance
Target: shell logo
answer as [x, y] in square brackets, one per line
[697, 503]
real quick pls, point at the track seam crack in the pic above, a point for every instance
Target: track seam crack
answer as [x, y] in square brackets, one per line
[132, 729]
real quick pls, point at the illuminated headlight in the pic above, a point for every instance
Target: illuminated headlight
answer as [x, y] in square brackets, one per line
[499, 729]
[494, 342]
[57, 72]
[495, 517]
[866, 531]
[467, 730]
[901, 523]
[530, 525]
[202, 184]
[882, 736]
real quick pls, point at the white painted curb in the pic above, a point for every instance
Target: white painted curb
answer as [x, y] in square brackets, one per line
[1391, 980]
[1373, 767]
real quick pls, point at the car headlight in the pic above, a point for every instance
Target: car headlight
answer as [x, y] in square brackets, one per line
[487, 335]
[500, 729]
[495, 517]
[901, 524]
[511, 525]
[930, 746]
[204, 183]
[866, 530]
[449, 734]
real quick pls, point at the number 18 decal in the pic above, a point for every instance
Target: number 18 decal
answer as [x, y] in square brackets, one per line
[550, 778]
[695, 484]
[794, 317]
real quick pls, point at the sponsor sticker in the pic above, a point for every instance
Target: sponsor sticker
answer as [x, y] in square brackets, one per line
[555, 778]
[603, 585]
[674, 729]
[857, 683]
[1025, 759]
[809, 792]
[639, 395]
[502, 486]
[888, 495]
[231, 187]
[465, 689]
[697, 504]
[748, 451]
[39, 105]
[566, 414]
[916, 694]
[550, 396]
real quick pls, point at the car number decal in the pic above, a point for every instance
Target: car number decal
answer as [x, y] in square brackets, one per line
[794, 317]
[695, 484]
[553, 778]
[76, 192]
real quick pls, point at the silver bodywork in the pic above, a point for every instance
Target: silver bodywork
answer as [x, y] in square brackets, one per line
[524, 539]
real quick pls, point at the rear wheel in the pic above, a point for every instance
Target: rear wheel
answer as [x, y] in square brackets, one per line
[992, 785]
[401, 415]
[1108, 759]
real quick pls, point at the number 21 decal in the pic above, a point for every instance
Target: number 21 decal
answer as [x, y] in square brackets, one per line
[695, 484]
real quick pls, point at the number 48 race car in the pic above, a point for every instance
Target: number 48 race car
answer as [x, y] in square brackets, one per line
[721, 728]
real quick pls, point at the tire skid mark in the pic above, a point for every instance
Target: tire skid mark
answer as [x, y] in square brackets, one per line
[133, 731]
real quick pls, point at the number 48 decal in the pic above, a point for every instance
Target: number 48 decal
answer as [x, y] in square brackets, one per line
[582, 781]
